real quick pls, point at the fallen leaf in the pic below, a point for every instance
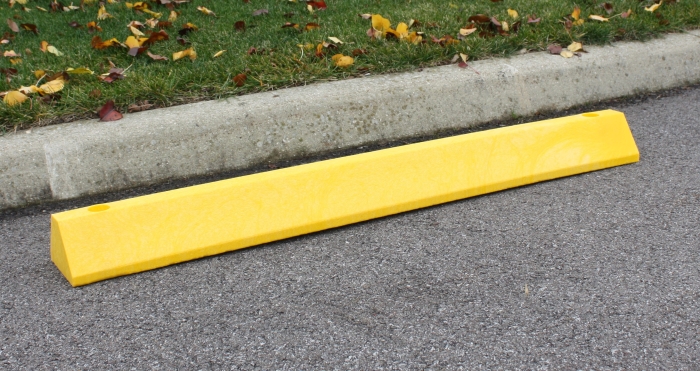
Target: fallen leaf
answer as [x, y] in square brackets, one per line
[576, 14]
[109, 113]
[41, 9]
[608, 7]
[311, 26]
[30, 27]
[93, 26]
[533, 19]
[140, 107]
[43, 45]
[335, 40]
[357, 52]
[75, 24]
[96, 93]
[97, 43]
[39, 73]
[14, 97]
[575, 47]
[206, 11]
[260, 12]
[380, 23]
[79, 71]
[219, 53]
[321, 4]
[239, 26]
[187, 28]
[135, 31]
[343, 60]
[513, 13]
[52, 49]
[554, 49]
[51, 87]
[290, 25]
[653, 7]
[102, 13]
[156, 57]
[597, 18]
[240, 79]
[626, 14]
[365, 16]
[13, 26]
[173, 16]
[185, 53]
[566, 53]
[480, 18]
[10, 54]
[16, 60]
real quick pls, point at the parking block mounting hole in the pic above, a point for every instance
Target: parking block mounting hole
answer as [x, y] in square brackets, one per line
[100, 207]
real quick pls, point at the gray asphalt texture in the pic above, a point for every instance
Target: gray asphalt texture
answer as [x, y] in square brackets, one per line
[596, 271]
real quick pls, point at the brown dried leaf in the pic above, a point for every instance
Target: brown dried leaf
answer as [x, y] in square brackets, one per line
[13, 26]
[156, 57]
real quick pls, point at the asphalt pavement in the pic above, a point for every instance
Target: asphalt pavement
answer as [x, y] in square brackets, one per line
[595, 271]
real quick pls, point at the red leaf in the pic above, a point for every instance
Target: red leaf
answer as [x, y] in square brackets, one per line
[109, 113]
[240, 79]
[239, 26]
[321, 4]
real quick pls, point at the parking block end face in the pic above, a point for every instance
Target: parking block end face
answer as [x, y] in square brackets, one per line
[133, 235]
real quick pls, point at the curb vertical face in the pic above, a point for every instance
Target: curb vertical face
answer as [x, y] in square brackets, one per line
[109, 240]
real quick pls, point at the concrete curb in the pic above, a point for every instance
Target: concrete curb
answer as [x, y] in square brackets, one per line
[90, 157]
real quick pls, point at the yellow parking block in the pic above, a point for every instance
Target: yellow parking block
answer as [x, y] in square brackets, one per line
[109, 240]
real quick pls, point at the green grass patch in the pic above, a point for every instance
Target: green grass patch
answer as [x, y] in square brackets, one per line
[281, 62]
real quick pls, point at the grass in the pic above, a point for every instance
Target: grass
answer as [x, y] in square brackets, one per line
[283, 63]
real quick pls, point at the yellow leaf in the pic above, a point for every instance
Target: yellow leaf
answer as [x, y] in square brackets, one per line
[380, 23]
[43, 45]
[52, 49]
[218, 54]
[467, 31]
[173, 16]
[185, 53]
[576, 14]
[39, 73]
[16, 60]
[41, 9]
[598, 18]
[335, 40]
[205, 11]
[513, 13]
[505, 26]
[152, 13]
[132, 42]
[464, 57]
[402, 30]
[51, 87]
[653, 7]
[579, 22]
[414, 38]
[566, 53]
[342, 60]
[135, 31]
[79, 71]
[102, 13]
[575, 46]
[310, 8]
[14, 97]
[27, 90]
[128, 5]
[10, 54]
